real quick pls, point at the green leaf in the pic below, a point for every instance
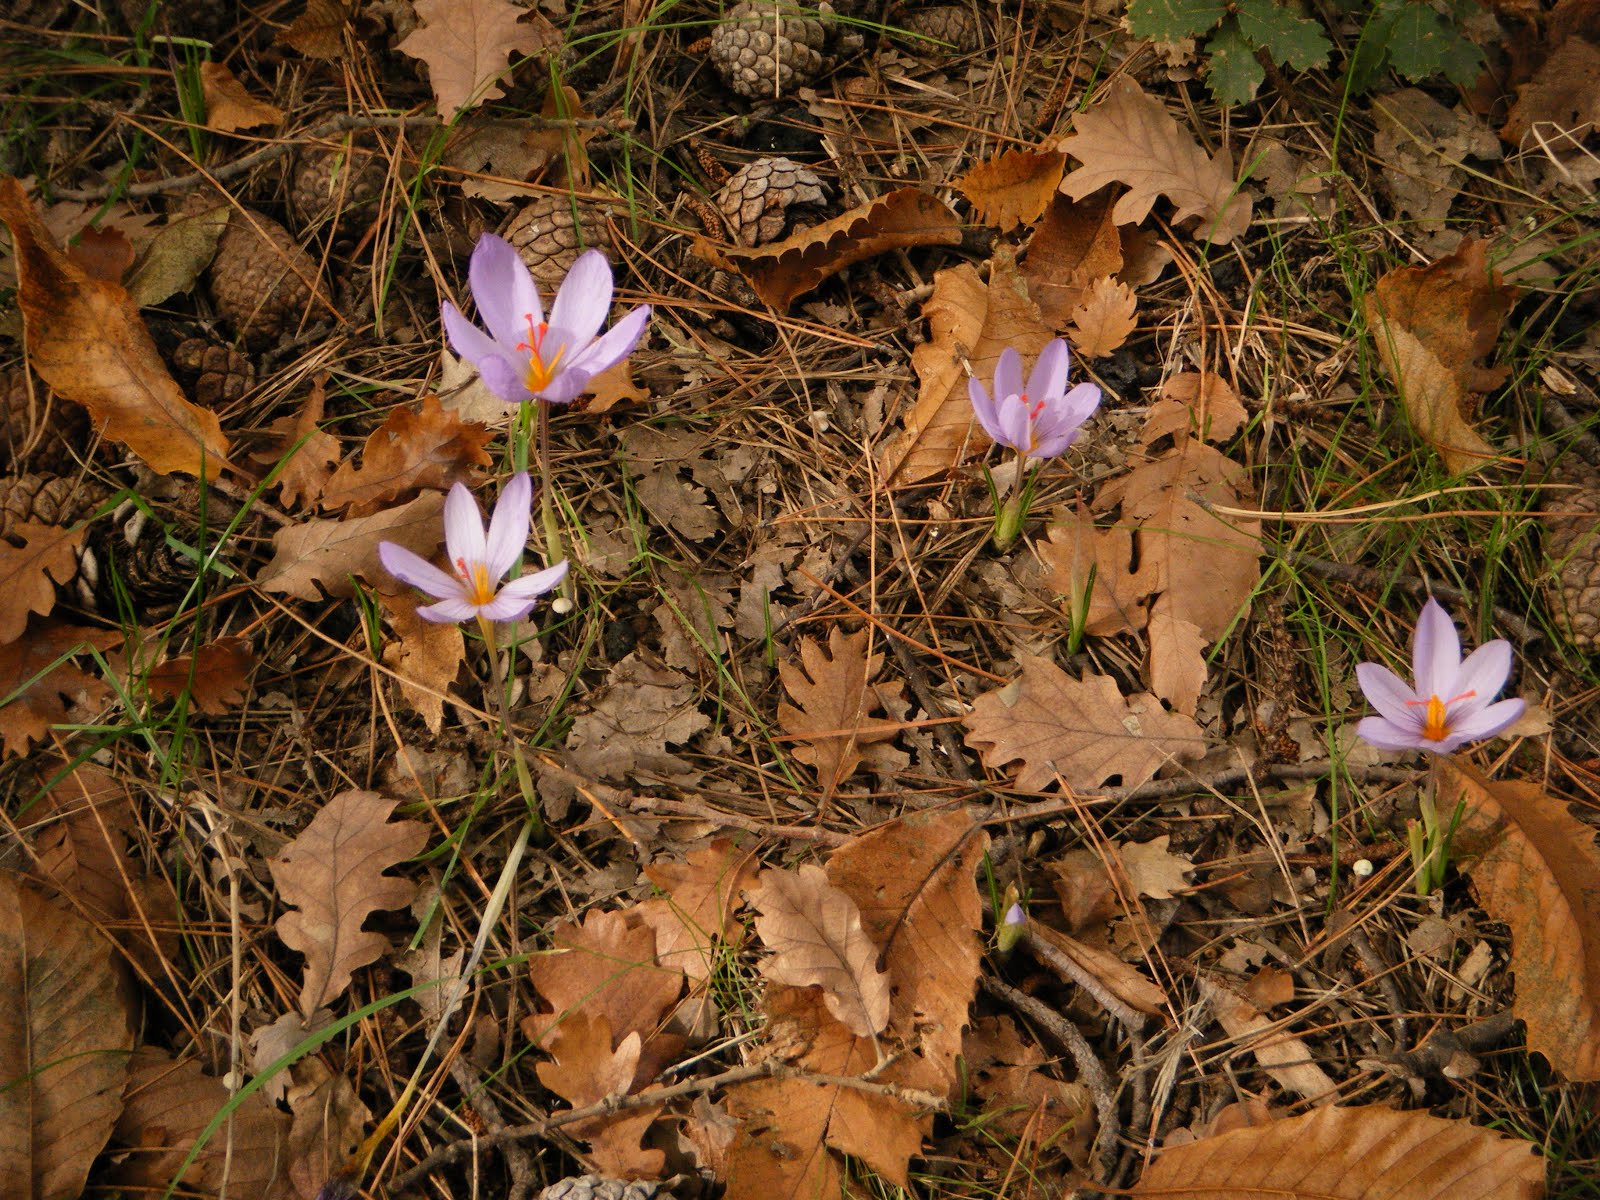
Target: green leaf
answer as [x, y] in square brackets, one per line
[1372, 50]
[1420, 42]
[1170, 20]
[1290, 40]
[1233, 74]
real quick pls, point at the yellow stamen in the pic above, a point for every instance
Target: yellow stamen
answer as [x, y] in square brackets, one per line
[1435, 722]
[540, 372]
[480, 590]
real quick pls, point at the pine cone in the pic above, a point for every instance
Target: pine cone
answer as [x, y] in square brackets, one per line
[1572, 550]
[260, 278]
[334, 185]
[761, 53]
[155, 559]
[39, 430]
[215, 374]
[759, 200]
[47, 500]
[550, 233]
[596, 1187]
[943, 30]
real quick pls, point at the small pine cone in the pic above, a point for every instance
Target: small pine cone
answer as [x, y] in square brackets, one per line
[153, 557]
[46, 500]
[260, 278]
[1572, 550]
[945, 29]
[334, 186]
[215, 374]
[761, 201]
[761, 52]
[596, 1187]
[550, 233]
[40, 430]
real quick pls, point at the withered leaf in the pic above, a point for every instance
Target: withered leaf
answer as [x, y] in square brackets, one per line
[318, 32]
[85, 339]
[783, 271]
[229, 106]
[102, 253]
[1104, 320]
[332, 876]
[587, 1069]
[48, 556]
[215, 676]
[1013, 187]
[1075, 244]
[329, 1120]
[330, 552]
[64, 1038]
[834, 699]
[696, 914]
[1090, 566]
[1019, 1097]
[466, 43]
[307, 452]
[1287, 1059]
[410, 451]
[38, 680]
[1195, 402]
[176, 255]
[426, 655]
[1084, 730]
[814, 931]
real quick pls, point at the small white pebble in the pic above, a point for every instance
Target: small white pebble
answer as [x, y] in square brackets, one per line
[1362, 867]
[561, 605]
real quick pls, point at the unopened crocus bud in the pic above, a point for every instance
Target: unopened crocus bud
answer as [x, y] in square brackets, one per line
[1010, 931]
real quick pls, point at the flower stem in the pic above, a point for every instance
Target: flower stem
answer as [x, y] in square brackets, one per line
[554, 544]
[501, 678]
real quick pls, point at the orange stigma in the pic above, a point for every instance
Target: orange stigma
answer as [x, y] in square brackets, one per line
[476, 577]
[1435, 725]
[540, 372]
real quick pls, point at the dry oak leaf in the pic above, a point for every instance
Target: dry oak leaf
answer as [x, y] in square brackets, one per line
[1014, 187]
[695, 914]
[834, 697]
[330, 552]
[1561, 100]
[785, 270]
[971, 322]
[229, 106]
[409, 452]
[1287, 1059]
[814, 932]
[1536, 867]
[1083, 730]
[102, 253]
[169, 1105]
[1176, 668]
[586, 1069]
[1120, 979]
[1018, 1095]
[329, 1121]
[1090, 566]
[63, 1046]
[215, 676]
[426, 657]
[306, 452]
[48, 552]
[1129, 138]
[466, 43]
[1431, 325]
[38, 680]
[1104, 320]
[642, 709]
[1152, 870]
[332, 876]
[1197, 403]
[318, 32]
[1358, 1153]
[1074, 245]
[85, 339]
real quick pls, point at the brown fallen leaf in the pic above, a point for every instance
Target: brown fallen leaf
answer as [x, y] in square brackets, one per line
[330, 552]
[1431, 325]
[85, 339]
[834, 699]
[329, 1122]
[47, 556]
[694, 918]
[1287, 1059]
[38, 680]
[1560, 101]
[1090, 565]
[425, 655]
[783, 271]
[102, 253]
[586, 1067]
[1357, 1153]
[1153, 870]
[409, 452]
[1129, 138]
[1075, 244]
[1104, 320]
[966, 317]
[1196, 403]
[642, 710]
[1536, 867]
[215, 677]
[1120, 979]
[229, 107]
[1084, 730]
[466, 43]
[64, 1041]
[332, 878]
[1012, 188]
[307, 453]
[174, 258]
[318, 32]
[1020, 1098]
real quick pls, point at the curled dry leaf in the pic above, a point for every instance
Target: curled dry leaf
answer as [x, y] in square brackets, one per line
[1287, 1059]
[38, 680]
[229, 106]
[1129, 138]
[1013, 187]
[1085, 731]
[318, 32]
[466, 44]
[410, 451]
[426, 656]
[1349, 1154]
[1119, 978]
[783, 271]
[814, 932]
[1196, 403]
[1536, 867]
[1431, 325]
[307, 453]
[47, 556]
[332, 876]
[85, 339]
[64, 1041]
[330, 552]
[215, 676]
[1076, 244]
[834, 697]
[1104, 320]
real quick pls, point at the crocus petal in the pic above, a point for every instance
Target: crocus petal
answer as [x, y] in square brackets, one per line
[1051, 445]
[1484, 673]
[503, 287]
[449, 612]
[1008, 374]
[466, 339]
[518, 596]
[1049, 376]
[584, 299]
[1487, 723]
[1435, 652]
[463, 526]
[1386, 735]
[1015, 428]
[505, 378]
[508, 528]
[1387, 693]
[1079, 404]
[983, 407]
[614, 345]
[417, 571]
[566, 387]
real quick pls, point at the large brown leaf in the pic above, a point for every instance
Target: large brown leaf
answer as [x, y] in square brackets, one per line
[410, 451]
[1536, 867]
[332, 876]
[330, 552]
[86, 340]
[64, 1038]
[834, 702]
[38, 680]
[1364, 1153]
[47, 556]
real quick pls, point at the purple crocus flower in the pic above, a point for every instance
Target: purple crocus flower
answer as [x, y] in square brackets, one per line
[1450, 703]
[523, 356]
[1043, 418]
[480, 561]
